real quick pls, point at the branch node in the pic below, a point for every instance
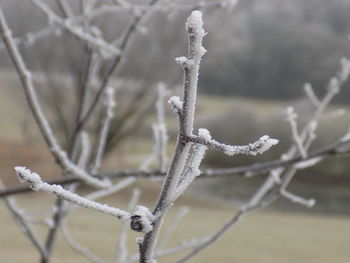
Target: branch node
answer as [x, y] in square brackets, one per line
[142, 220]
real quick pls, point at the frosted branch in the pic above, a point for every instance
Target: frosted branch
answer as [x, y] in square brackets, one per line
[101, 145]
[85, 150]
[142, 219]
[291, 116]
[91, 13]
[75, 29]
[297, 199]
[106, 191]
[192, 169]
[160, 129]
[31, 96]
[260, 146]
[160, 134]
[196, 33]
[176, 105]
[35, 182]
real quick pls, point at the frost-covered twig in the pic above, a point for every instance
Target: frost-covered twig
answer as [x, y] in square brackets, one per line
[297, 199]
[37, 111]
[260, 146]
[160, 134]
[191, 170]
[160, 128]
[176, 105]
[123, 44]
[291, 116]
[177, 178]
[85, 150]
[91, 13]
[101, 144]
[76, 30]
[105, 192]
[36, 183]
[122, 249]
[190, 64]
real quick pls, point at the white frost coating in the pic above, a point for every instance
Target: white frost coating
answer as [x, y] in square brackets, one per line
[260, 146]
[143, 217]
[35, 182]
[176, 104]
[181, 60]
[204, 133]
[192, 169]
[195, 22]
[184, 62]
[27, 176]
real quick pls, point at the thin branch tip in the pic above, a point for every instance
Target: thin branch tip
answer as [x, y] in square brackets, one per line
[27, 176]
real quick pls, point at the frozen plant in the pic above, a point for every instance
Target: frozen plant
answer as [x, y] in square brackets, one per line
[82, 162]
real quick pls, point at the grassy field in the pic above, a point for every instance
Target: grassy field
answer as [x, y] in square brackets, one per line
[263, 237]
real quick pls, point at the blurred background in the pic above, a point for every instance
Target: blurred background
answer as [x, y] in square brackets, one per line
[259, 57]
